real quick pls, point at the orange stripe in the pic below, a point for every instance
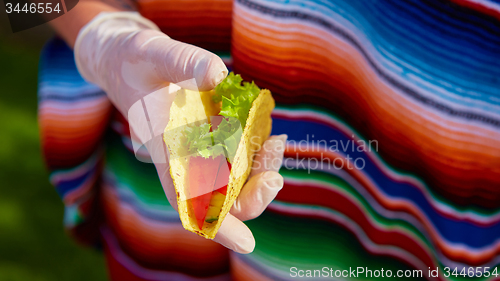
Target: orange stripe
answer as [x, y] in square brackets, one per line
[162, 245]
[241, 271]
[296, 56]
[468, 257]
[203, 23]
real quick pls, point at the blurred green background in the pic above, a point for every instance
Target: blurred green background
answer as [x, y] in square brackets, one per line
[33, 244]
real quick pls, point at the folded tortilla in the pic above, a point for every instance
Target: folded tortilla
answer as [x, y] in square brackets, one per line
[195, 108]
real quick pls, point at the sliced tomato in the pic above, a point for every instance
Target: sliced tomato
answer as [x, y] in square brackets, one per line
[202, 176]
[215, 121]
[206, 175]
[223, 177]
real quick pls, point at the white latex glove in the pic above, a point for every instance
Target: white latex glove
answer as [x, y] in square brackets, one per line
[263, 185]
[133, 62]
[129, 58]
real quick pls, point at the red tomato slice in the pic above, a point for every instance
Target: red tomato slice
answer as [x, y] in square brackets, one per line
[206, 175]
[202, 177]
[215, 121]
[223, 177]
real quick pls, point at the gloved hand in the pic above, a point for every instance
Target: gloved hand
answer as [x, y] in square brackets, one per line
[133, 62]
[263, 185]
[129, 58]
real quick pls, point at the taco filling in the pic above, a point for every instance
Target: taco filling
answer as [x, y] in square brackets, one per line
[213, 145]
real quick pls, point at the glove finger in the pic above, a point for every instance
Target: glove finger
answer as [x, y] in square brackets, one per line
[232, 234]
[270, 155]
[167, 183]
[147, 119]
[157, 149]
[235, 235]
[257, 193]
[189, 66]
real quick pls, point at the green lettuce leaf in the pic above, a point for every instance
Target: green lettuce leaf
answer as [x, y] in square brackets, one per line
[223, 140]
[199, 139]
[237, 98]
[228, 135]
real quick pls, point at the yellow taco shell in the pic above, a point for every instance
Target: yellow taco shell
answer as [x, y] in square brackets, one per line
[195, 107]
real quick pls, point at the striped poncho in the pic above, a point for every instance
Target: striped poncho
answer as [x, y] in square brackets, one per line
[392, 109]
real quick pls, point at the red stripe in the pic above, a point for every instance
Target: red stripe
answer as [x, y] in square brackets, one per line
[478, 7]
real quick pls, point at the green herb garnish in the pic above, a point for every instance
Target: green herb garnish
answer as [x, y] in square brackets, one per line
[224, 139]
[237, 99]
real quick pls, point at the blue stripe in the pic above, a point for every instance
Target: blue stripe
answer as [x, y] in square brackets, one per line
[463, 60]
[59, 79]
[461, 232]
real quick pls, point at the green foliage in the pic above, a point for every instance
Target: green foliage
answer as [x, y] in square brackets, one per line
[33, 244]
[236, 97]
[224, 139]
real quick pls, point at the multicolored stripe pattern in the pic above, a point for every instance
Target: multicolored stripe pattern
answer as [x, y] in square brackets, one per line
[392, 109]
[111, 199]
[418, 77]
[203, 23]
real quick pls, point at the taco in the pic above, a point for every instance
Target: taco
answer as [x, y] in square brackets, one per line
[212, 138]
